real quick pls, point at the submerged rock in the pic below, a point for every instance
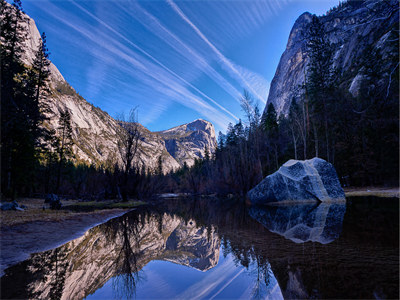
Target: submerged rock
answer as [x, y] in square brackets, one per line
[299, 181]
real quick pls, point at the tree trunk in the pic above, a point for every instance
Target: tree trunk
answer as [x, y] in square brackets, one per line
[276, 157]
[304, 132]
[315, 140]
[61, 160]
[326, 133]
[295, 145]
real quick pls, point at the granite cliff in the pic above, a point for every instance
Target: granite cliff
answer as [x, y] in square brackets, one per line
[354, 28]
[189, 141]
[96, 133]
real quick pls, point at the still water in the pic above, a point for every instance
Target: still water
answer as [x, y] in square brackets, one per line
[213, 249]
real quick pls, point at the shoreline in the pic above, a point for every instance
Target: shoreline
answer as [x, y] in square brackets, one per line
[382, 192]
[19, 241]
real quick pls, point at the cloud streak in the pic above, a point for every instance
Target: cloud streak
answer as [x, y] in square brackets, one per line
[155, 60]
[226, 63]
[148, 70]
[160, 56]
[154, 24]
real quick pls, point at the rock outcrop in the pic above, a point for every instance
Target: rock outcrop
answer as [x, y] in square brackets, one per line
[11, 206]
[96, 133]
[352, 28]
[189, 141]
[303, 223]
[299, 181]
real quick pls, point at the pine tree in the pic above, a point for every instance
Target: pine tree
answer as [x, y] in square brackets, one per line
[319, 82]
[159, 166]
[40, 72]
[231, 137]
[270, 123]
[270, 126]
[221, 140]
[294, 124]
[20, 116]
[206, 154]
[65, 143]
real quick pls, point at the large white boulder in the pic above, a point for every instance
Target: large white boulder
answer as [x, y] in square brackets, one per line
[299, 181]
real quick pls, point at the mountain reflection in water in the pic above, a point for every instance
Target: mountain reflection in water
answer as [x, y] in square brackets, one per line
[320, 223]
[196, 248]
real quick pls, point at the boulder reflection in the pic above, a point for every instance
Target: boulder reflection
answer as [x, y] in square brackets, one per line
[360, 261]
[320, 223]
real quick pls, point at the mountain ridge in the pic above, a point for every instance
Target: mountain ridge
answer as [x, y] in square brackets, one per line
[190, 140]
[95, 132]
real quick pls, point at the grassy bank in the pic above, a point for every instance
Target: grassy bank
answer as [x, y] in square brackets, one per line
[34, 210]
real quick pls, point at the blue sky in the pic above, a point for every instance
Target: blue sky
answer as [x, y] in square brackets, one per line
[175, 60]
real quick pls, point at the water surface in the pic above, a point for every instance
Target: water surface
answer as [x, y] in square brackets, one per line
[202, 248]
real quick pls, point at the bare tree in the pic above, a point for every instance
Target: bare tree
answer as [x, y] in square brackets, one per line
[128, 145]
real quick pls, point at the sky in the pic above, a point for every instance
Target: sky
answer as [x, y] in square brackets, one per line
[175, 61]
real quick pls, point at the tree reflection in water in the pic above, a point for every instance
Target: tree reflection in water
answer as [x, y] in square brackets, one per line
[51, 267]
[127, 231]
[190, 232]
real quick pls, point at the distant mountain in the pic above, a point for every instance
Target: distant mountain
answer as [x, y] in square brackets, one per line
[96, 133]
[353, 28]
[189, 141]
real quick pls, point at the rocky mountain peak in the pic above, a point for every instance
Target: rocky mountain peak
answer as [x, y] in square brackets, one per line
[299, 30]
[199, 124]
[189, 141]
[352, 28]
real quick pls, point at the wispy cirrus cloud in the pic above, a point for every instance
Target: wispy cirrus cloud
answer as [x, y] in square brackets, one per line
[146, 69]
[162, 55]
[155, 72]
[184, 49]
[225, 62]
[258, 82]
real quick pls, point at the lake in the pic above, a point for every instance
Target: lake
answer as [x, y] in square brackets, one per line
[213, 249]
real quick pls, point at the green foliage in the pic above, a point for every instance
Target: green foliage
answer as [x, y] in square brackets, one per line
[64, 143]
[64, 88]
[159, 166]
[21, 112]
[270, 122]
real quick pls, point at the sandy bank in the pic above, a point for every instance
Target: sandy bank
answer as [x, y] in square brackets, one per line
[20, 240]
[372, 191]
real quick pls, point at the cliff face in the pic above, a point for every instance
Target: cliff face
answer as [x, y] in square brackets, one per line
[189, 141]
[352, 29]
[96, 133]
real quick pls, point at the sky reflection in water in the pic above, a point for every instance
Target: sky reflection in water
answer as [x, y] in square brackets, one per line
[227, 280]
[211, 249]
